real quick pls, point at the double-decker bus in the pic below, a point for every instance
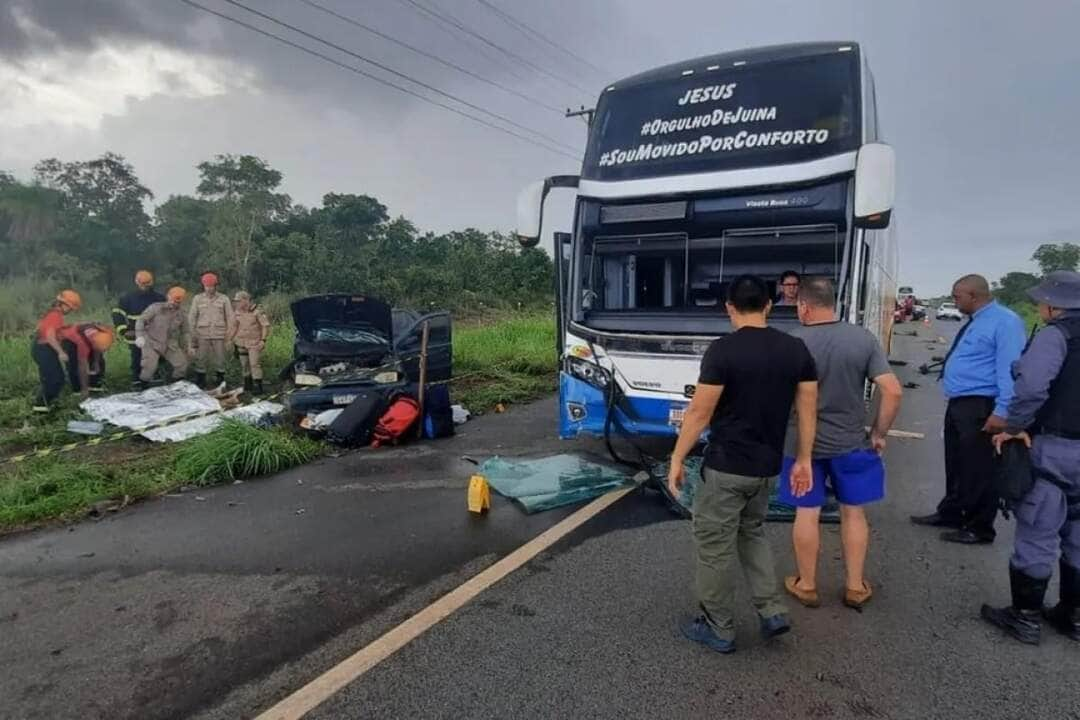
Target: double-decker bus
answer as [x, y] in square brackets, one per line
[760, 161]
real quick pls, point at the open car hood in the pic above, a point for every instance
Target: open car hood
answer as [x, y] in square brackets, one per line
[359, 311]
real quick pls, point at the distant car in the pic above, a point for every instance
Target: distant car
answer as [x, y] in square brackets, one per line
[918, 312]
[949, 311]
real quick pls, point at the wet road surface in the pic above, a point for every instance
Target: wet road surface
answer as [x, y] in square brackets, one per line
[217, 607]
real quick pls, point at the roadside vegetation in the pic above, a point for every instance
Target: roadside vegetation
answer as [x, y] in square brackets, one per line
[499, 360]
[84, 224]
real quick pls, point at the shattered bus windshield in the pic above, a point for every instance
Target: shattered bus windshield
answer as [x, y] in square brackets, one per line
[677, 273]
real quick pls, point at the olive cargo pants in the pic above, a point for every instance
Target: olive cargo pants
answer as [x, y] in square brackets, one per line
[729, 518]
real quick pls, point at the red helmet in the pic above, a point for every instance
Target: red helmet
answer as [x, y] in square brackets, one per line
[209, 279]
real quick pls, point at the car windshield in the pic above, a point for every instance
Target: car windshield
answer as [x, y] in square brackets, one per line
[349, 334]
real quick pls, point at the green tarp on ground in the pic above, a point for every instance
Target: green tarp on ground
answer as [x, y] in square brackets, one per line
[551, 482]
[778, 512]
[539, 484]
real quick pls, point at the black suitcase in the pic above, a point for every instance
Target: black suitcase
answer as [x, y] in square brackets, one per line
[356, 422]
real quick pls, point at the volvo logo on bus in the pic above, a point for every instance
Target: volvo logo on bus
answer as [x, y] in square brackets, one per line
[688, 391]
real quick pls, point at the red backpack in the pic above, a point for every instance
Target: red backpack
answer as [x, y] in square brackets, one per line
[396, 421]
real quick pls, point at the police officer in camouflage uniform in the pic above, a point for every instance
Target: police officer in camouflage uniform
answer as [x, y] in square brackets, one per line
[1045, 414]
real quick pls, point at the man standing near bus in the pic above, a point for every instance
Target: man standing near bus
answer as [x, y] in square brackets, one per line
[977, 380]
[745, 403]
[847, 357]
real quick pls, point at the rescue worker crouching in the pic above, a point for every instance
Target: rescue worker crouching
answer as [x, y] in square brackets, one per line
[211, 320]
[251, 327]
[47, 351]
[1044, 415]
[127, 312]
[161, 332]
[87, 343]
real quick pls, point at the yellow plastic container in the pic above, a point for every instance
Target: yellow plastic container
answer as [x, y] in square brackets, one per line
[479, 494]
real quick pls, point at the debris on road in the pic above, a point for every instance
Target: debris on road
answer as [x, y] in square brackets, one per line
[551, 482]
[85, 427]
[683, 505]
[461, 415]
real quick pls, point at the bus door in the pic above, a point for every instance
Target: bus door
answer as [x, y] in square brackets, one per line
[561, 256]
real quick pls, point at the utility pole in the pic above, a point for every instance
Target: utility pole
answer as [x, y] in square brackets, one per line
[584, 112]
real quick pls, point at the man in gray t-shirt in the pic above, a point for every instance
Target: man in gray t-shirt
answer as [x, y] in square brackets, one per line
[847, 356]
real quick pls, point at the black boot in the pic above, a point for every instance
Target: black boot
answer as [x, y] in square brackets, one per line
[200, 379]
[1021, 619]
[258, 387]
[1065, 617]
[221, 378]
[248, 384]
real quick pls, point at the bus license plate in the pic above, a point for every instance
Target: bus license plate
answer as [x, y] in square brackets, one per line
[675, 416]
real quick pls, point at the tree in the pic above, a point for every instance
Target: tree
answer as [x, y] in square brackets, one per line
[29, 215]
[179, 235]
[243, 191]
[1012, 289]
[103, 220]
[1050, 257]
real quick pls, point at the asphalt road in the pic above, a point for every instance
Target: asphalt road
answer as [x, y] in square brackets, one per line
[216, 604]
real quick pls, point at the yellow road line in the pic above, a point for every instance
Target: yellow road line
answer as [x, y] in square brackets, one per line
[332, 681]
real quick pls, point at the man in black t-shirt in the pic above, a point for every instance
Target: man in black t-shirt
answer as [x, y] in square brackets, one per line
[748, 383]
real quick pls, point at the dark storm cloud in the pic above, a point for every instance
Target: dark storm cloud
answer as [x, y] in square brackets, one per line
[85, 24]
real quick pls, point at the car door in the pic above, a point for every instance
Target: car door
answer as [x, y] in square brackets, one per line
[440, 351]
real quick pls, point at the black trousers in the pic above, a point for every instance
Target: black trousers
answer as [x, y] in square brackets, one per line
[73, 367]
[136, 361]
[50, 372]
[970, 497]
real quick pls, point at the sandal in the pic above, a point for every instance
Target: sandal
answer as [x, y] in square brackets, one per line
[855, 599]
[809, 598]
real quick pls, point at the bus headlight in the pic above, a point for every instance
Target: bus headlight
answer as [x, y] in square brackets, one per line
[589, 372]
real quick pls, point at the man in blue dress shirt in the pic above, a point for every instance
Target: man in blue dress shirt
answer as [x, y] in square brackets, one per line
[977, 380]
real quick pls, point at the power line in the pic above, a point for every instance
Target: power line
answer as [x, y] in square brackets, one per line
[379, 80]
[430, 56]
[446, 18]
[401, 75]
[525, 28]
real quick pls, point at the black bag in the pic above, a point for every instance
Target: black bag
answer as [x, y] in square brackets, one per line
[438, 415]
[1013, 478]
[357, 421]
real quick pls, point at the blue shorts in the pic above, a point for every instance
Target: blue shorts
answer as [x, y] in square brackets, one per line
[857, 478]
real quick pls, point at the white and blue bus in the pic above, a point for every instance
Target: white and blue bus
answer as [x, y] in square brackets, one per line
[759, 161]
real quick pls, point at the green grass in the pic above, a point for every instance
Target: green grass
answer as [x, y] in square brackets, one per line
[236, 450]
[64, 487]
[508, 359]
[512, 360]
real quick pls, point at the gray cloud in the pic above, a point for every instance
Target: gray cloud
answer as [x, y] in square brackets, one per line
[978, 99]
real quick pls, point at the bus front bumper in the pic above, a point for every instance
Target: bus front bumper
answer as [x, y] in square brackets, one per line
[583, 410]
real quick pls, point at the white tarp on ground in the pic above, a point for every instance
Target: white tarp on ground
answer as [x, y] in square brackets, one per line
[200, 426]
[161, 404]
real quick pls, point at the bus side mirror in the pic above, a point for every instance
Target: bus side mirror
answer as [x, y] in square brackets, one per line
[530, 205]
[875, 186]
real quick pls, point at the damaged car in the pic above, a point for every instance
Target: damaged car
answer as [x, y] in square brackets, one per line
[349, 343]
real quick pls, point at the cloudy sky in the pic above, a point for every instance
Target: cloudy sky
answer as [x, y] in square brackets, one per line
[979, 97]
